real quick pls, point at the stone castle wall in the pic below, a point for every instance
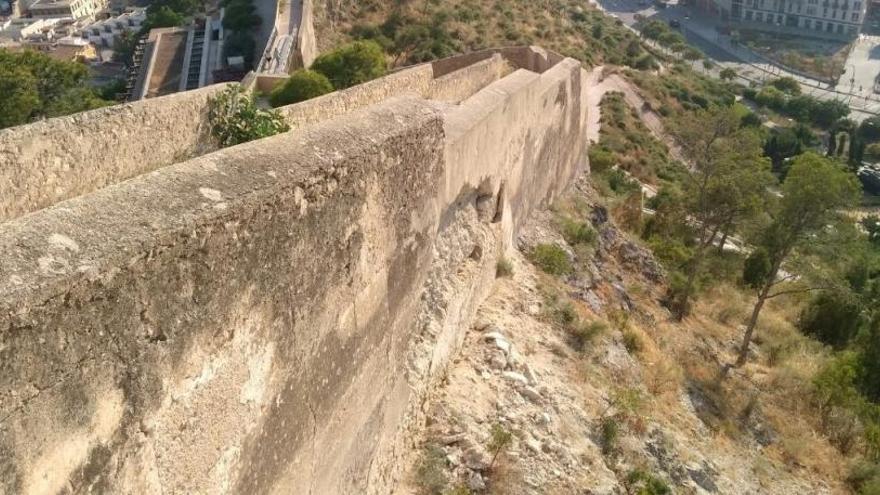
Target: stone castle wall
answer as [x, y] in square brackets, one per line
[58, 159]
[267, 318]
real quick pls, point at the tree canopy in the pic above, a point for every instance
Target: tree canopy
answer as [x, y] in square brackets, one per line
[302, 85]
[36, 86]
[815, 190]
[351, 64]
[727, 185]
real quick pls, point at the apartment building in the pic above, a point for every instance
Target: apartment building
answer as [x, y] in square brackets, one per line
[75, 9]
[107, 31]
[835, 19]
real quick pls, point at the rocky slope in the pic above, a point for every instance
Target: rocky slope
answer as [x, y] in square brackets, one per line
[611, 398]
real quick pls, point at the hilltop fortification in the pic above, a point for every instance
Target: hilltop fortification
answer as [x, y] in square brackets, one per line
[265, 318]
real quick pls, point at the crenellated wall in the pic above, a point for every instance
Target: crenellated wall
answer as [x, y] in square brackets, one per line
[268, 318]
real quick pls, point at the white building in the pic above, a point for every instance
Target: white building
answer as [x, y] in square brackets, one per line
[22, 28]
[836, 19]
[75, 9]
[105, 32]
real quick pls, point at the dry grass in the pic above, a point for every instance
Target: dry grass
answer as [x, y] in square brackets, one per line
[663, 376]
[727, 305]
[506, 477]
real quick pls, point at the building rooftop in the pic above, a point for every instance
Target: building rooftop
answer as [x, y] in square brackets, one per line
[162, 66]
[49, 4]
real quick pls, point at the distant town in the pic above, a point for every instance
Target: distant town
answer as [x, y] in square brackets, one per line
[143, 51]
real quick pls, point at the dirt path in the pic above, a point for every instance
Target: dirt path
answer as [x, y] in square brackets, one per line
[600, 85]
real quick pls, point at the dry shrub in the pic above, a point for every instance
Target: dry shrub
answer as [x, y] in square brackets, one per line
[721, 402]
[628, 213]
[799, 444]
[778, 338]
[727, 304]
[663, 376]
[792, 382]
[506, 477]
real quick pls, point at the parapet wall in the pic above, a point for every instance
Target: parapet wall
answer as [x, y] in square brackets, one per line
[306, 43]
[58, 159]
[268, 318]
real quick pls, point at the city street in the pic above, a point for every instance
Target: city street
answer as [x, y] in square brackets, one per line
[862, 66]
[702, 32]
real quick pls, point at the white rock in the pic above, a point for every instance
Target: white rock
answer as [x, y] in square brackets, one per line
[530, 374]
[515, 377]
[475, 482]
[476, 458]
[531, 394]
[450, 439]
[499, 340]
[533, 445]
[490, 336]
[513, 357]
[498, 362]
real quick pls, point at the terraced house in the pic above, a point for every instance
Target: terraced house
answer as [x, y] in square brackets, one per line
[836, 19]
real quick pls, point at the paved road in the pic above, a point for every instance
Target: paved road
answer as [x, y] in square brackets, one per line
[276, 56]
[701, 31]
[862, 66]
[266, 9]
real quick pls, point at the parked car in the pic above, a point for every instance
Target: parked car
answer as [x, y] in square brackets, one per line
[674, 23]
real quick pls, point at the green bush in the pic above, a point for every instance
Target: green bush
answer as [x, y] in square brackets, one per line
[582, 333]
[645, 61]
[577, 232]
[679, 295]
[864, 478]
[871, 224]
[832, 318]
[727, 74]
[756, 268]
[241, 16]
[609, 435]
[564, 314]
[632, 342]
[503, 268]
[234, 118]
[352, 64]
[772, 98]
[551, 259]
[301, 86]
[499, 440]
[620, 182]
[643, 483]
[787, 85]
[600, 159]
[34, 85]
[431, 471]
[240, 44]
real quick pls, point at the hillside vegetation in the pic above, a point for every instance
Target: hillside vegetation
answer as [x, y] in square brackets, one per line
[419, 30]
[766, 315]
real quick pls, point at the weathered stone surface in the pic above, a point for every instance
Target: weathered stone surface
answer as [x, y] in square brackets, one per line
[58, 159]
[268, 317]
